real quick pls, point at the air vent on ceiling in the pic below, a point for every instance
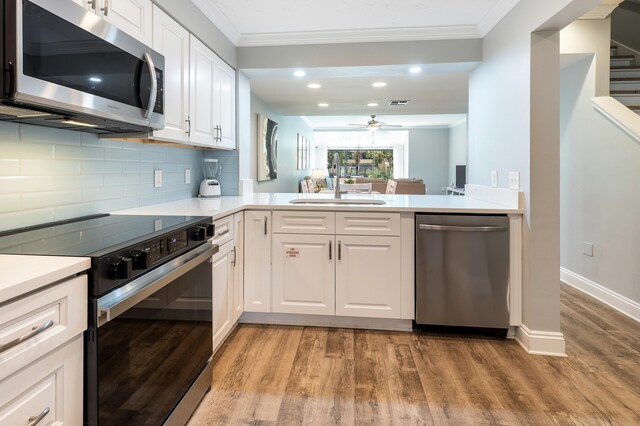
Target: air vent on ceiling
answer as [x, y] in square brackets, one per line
[398, 103]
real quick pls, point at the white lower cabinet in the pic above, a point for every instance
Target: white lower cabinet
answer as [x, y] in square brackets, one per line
[303, 274]
[46, 392]
[222, 272]
[257, 271]
[238, 266]
[368, 271]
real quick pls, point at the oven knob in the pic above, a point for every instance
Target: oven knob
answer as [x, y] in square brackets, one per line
[141, 259]
[199, 233]
[210, 230]
[120, 268]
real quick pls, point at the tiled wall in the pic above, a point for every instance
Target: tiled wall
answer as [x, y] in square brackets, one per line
[48, 174]
[228, 175]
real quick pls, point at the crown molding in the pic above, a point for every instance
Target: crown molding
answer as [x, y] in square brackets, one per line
[359, 36]
[495, 15]
[219, 19]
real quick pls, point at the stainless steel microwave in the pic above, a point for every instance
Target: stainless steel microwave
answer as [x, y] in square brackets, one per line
[65, 67]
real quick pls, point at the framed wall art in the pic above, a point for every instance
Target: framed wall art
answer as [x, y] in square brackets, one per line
[267, 148]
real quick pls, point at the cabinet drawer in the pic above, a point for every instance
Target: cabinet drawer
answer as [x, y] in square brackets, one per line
[50, 388]
[223, 230]
[296, 222]
[59, 311]
[368, 224]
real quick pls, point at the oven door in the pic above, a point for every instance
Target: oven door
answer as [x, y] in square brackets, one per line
[68, 59]
[149, 344]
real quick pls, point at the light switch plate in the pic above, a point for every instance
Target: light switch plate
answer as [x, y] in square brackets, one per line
[157, 178]
[187, 176]
[514, 180]
[494, 178]
[587, 249]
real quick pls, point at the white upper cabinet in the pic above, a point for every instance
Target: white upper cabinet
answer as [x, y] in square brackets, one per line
[203, 63]
[172, 40]
[224, 105]
[131, 16]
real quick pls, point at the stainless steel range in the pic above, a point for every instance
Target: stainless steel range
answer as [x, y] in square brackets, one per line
[148, 346]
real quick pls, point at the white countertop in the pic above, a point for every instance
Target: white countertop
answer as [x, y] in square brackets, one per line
[22, 274]
[226, 205]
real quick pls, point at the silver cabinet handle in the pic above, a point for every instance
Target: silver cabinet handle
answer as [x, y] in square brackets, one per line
[463, 228]
[154, 84]
[105, 9]
[226, 231]
[92, 3]
[265, 225]
[339, 250]
[330, 249]
[233, 262]
[33, 421]
[188, 121]
[34, 332]
[219, 133]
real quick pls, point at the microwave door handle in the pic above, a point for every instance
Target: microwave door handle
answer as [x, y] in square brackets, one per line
[154, 85]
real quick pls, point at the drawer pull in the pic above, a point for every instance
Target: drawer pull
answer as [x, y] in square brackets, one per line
[226, 231]
[29, 335]
[33, 421]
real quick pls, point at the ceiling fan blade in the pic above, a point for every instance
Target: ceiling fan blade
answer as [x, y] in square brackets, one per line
[393, 125]
[359, 125]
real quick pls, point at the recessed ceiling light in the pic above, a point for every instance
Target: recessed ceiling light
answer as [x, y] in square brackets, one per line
[372, 104]
[379, 84]
[299, 73]
[415, 70]
[323, 104]
[314, 86]
[95, 79]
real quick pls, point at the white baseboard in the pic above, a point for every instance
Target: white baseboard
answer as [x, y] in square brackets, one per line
[536, 342]
[618, 302]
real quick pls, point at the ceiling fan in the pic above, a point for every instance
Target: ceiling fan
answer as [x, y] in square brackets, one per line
[374, 125]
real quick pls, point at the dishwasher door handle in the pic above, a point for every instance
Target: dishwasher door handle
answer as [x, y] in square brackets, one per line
[424, 227]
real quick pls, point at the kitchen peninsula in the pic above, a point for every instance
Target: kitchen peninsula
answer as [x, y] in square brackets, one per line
[375, 290]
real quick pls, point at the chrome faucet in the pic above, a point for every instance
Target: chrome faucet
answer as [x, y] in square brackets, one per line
[336, 162]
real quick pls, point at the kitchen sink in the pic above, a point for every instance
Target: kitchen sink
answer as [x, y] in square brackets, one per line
[337, 201]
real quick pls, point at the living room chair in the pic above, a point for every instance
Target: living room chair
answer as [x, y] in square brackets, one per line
[391, 186]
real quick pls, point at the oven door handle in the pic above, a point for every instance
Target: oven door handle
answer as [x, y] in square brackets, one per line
[121, 299]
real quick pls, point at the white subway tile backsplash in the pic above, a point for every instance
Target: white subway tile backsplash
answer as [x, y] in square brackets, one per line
[19, 150]
[9, 167]
[38, 200]
[104, 193]
[106, 167]
[70, 152]
[48, 174]
[49, 167]
[9, 203]
[78, 181]
[21, 184]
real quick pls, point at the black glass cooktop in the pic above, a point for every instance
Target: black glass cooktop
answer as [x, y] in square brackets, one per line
[91, 236]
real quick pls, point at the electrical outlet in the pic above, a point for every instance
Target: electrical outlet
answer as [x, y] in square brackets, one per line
[157, 178]
[514, 180]
[187, 176]
[587, 249]
[494, 178]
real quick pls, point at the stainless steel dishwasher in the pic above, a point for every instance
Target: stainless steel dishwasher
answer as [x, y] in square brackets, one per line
[462, 271]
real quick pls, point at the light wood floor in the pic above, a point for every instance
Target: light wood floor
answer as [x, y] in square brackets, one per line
[268, 375]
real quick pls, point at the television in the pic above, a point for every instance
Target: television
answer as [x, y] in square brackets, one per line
[461, 176]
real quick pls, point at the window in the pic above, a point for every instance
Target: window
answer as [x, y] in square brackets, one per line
[376, 163]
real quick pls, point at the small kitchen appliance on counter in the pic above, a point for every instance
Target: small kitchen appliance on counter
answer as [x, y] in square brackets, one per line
[210, 187]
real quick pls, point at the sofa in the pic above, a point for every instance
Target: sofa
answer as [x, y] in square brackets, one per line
[405, 186]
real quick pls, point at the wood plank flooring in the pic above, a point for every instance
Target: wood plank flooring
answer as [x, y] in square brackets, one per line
[277, 375]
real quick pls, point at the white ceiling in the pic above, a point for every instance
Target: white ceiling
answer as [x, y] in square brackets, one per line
[437, 95]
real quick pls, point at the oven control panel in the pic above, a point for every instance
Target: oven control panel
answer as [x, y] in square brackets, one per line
[124, 265]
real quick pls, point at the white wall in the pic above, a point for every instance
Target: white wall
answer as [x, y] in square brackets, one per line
[514, 126]
[429, 158]
[288, 128]
[457, 149]
[600, 201]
